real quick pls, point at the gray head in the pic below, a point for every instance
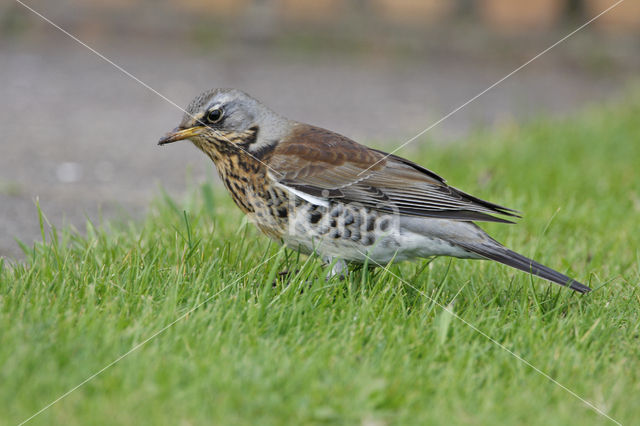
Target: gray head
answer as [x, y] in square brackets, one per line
[220, 119]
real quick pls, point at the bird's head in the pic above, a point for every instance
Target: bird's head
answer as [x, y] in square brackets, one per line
[219, 119]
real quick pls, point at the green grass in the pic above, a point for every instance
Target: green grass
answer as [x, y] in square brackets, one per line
[368, 350]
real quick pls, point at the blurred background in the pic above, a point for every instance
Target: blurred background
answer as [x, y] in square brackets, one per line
[80, 136]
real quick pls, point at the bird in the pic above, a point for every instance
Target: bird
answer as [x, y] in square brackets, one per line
[317, 191]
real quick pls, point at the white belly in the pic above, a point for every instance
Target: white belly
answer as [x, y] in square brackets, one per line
[380, 237]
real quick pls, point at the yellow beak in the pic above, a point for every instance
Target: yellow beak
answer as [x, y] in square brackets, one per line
[179, 134]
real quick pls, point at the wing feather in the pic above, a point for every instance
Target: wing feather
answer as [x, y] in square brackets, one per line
[324, 164]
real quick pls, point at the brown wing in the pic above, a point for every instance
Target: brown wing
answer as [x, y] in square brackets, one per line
[327, 165]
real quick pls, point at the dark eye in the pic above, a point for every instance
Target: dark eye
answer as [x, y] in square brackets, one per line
[214, 115]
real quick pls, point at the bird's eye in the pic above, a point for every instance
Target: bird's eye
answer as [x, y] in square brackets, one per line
[214, 115]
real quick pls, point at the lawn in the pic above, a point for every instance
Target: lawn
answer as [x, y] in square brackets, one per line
[190, 290]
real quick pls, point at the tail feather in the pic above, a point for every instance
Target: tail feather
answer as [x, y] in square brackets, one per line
[496, 252]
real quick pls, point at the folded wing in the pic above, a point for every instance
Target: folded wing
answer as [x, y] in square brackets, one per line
[326, 165]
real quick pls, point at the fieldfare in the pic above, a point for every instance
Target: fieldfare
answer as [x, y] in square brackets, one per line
[318, 191]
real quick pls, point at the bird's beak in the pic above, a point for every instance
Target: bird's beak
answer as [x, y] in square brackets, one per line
[179, 134]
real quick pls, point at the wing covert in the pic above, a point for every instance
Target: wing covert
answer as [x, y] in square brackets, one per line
[328, 165]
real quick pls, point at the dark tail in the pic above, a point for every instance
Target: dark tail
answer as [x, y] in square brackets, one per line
[511, 258]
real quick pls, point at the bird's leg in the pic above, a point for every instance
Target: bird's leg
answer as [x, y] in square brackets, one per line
[339, 268]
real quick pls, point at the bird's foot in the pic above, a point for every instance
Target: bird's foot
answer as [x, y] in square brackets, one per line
[284, 275]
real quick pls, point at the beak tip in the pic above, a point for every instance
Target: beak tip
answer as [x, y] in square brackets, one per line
[165, 139]
[178, 134]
